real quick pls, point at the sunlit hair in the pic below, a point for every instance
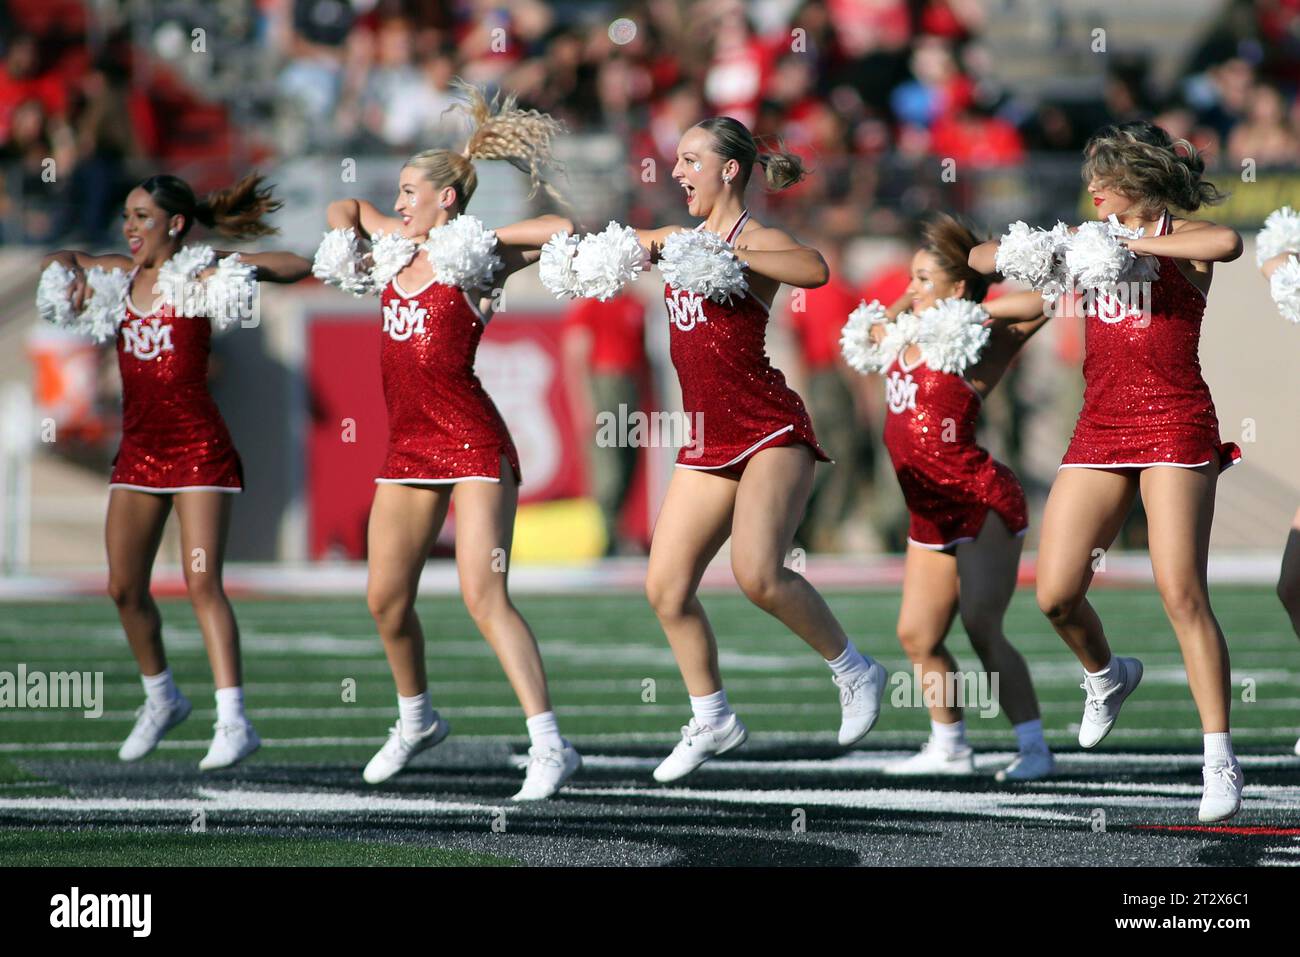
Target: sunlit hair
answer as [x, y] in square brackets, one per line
[236, 211]
[950, 241]
[1142, 160]
[732, 140]
[499, 130]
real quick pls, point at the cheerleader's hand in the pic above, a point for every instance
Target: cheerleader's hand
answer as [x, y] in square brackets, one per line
[77, 289]
[877, 332]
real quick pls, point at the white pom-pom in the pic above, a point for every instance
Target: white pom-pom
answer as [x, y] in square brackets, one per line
[1284, 285]
[702, 262]
[102, 313]
[54, 298]
[338, 262]
[1142, 268]
[860, 351]
[556, 269]
[608, 260]
[462, 253]
[1095, 259]
[899, 334]
[1027, 256]
[389, 255]
[230, 291]
[953, 334]
[178, 283]
[1281, 234]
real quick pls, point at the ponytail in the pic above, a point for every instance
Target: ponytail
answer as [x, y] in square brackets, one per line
[236, 211]
[733, 140]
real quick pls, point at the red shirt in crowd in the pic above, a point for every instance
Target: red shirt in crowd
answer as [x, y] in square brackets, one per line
[617, 330]
[817, 326]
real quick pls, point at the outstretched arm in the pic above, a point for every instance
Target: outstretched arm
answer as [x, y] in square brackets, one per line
[360, 215]
[520, 244]
[1194, 240]
[983, 257]
[275, 266]
[78, 262]
[776, 255]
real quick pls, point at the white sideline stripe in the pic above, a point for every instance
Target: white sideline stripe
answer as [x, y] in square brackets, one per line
[1282, 850]
[1268, 862]
[211, 799]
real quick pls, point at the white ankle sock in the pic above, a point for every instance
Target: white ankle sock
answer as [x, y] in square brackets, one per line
[711, 710]
[230, 705]
[544, 731]
[160, 689]
[416, 713]
[850, 663]
[1108, 678]
[1029, 735]
[950, 737]
[1218, 750]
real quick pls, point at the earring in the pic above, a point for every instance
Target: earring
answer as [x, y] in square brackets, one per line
[726, 179]
[171, 232]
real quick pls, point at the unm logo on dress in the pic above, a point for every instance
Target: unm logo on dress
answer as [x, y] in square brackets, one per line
[900, 392]
[147, 339]
[403, 319]
[685, 309]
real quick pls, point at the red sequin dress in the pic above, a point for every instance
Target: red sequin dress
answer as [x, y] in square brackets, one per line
[949, 482]
[173, 436]
[735, 400]
[1145, 402]
[442, 425]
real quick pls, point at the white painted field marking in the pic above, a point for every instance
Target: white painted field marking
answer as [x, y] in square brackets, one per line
[236, 799]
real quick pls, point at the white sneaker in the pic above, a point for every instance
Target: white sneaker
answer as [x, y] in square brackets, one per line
[1028, 766]
[151, 723]
[398, 750]
[1101, 710]
[548, 769]
[1222, 796]
[860, 702]
[697, 745]
[934, 759]
[231, 743]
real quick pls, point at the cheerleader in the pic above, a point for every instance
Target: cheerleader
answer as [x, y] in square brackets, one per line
[175, 450]
[447, 442]
[1277, 252]
[748, 469]
[968, 514]
[1147, 427]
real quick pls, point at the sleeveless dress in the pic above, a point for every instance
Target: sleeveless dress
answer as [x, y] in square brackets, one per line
[173, 436]
[442, 425]
[735, 400]
[948, 480]
[1145, 402]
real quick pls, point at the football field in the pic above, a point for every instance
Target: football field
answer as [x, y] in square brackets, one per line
[317, 688]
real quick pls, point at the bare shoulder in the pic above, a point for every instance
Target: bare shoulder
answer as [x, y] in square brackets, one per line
[757, 236]
[1191, 225]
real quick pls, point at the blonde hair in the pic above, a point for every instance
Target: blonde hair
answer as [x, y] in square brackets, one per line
[733, 140]
[1141, 159]
[498, 131]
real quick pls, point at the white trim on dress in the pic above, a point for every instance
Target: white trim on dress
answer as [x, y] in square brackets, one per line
[749, 451]
[432, 481]
[175, 488]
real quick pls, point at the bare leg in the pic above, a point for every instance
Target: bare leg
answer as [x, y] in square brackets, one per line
[404, 523]
[1085, 510]
[987, 570]
[205, 523]
[693, 524]
[929, 606]
[132, 533]
[1288, 583]
[1180, 509]
[485, 523]
[769, 507]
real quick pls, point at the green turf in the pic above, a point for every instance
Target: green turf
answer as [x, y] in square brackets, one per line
[611, 673]
[90, 848]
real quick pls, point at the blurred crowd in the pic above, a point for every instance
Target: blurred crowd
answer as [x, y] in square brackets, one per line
[95, 96]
